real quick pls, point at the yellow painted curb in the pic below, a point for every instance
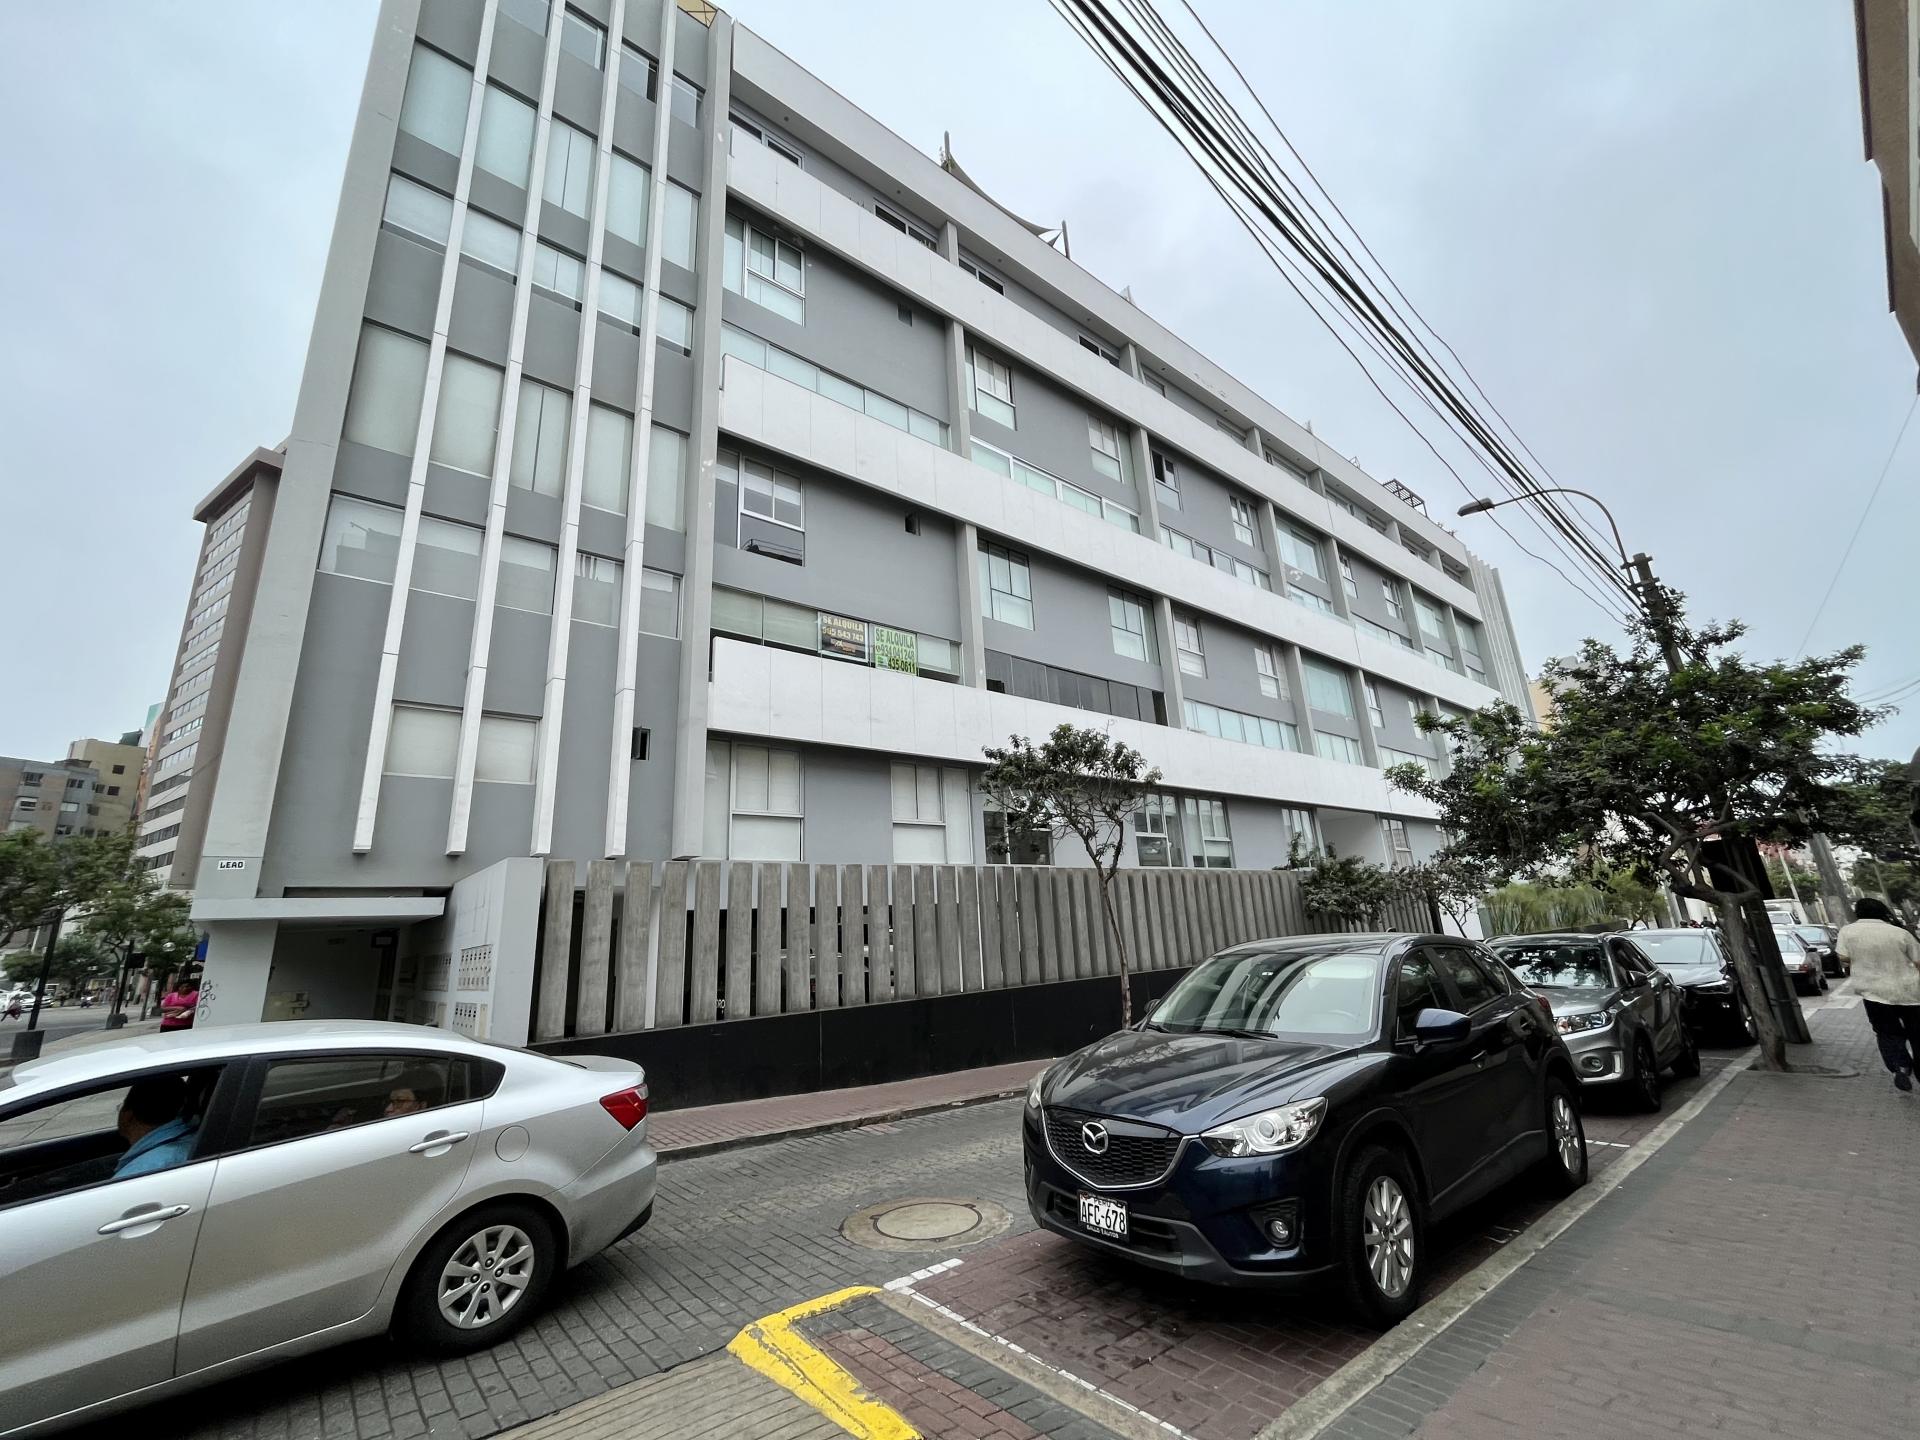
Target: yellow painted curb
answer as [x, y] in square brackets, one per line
[772, 1346]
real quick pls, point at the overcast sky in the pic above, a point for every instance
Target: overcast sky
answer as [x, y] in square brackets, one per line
[1647, 228]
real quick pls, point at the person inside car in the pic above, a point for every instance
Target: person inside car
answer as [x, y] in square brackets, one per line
[157, 1137]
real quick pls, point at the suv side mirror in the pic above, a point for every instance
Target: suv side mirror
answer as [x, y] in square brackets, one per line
[1441, 1027]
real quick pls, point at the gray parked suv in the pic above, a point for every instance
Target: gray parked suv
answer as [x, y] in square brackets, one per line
[1623, 1018]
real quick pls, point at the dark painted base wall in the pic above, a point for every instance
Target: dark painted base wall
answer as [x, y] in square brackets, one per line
[869, 1044]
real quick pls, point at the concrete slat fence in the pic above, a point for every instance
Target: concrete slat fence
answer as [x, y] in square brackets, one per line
[656, 944]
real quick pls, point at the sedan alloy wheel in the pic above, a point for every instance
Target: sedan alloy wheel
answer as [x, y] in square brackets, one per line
[486, 1276]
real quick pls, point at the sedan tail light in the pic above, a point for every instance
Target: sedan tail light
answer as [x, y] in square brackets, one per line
[628, 1106]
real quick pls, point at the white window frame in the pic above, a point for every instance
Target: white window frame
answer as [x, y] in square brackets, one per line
[1399, 844]
[1166, 479]
[1349, 748]
[1348, 581]
[1125, 605]
[991, 379]
[573, 23]
[1190, 645]
[734, 810]
[1018, 568]
[753, 278]
[1098, 347]
[984, 276]
[1104, 439]
[1272, 671]
[912, 229]
[1395, 606]
[1245, 529]
[1311, 667]
[1374, 713]
[776, 484]
[1295, 543]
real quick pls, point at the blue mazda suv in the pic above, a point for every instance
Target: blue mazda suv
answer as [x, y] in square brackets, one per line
[1298, 1112]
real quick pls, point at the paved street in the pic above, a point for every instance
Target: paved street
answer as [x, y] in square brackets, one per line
[745, 1233]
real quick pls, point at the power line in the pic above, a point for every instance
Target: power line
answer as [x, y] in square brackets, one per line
[1280, 262]
[1859, 525]
[1235, 158]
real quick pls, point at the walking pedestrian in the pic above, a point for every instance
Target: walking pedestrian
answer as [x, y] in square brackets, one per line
[1886, 973]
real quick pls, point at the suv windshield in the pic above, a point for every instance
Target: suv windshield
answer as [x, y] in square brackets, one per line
[1811, 933]
[1674, 949]
[1288, 995]
[1569, 964]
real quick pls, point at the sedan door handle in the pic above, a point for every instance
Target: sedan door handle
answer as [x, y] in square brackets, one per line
[157, 1215]
[443, 1141]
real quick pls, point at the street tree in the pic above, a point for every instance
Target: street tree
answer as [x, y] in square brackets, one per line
[1871, 807]
[1080, 782]
[1645, 766]
[1453, 883]
[30, 880]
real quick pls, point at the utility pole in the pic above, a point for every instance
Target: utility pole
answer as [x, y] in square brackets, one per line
[1833, 889]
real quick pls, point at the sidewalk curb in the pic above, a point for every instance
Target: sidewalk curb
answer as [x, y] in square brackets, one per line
[699, 1148]
[1352, 1382]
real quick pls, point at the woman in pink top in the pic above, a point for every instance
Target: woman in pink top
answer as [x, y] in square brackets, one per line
[177, 1005]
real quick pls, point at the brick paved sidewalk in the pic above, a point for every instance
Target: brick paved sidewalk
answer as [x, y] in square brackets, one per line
[1759, 1275]
[677, 1134]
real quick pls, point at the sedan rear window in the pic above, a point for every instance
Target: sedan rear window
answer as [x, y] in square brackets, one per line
[1284, 995]
[1676, 948]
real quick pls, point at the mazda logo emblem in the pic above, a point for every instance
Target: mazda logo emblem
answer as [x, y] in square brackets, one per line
[1093, 1135]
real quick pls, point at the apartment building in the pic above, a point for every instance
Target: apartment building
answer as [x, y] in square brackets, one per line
[1887, 37]
[189, 728]
[117, 767]
[54, 797]
[684, 465]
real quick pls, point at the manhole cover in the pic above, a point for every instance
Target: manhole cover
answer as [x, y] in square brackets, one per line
[925, 1223]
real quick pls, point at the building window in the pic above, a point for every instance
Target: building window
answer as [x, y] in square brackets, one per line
[660, 603]
[435, 107]
[417, 211]
[773, 497]
[596, 589]
[1130, 626]
[1327, 688]
[666, 477]
[389, 382]
[530, 13]
[1433, 625]
[1209, 841]
[1006, 589]
[766, 806]
[569, 178]
[1399, 847]
[467, 420]
[673, 324]
[679, 223]
[1343, 748]
[1347, 582]
[1391, 592]
[906, 227]
[768, 271]
[1266, 660]
[1153, 382]
[505, 147]
[1166, 481]
[1374, 712]
[1301, 828]
[507, 750]
[1224, 724]
[972, 267]
[754, 351]
[684, 103]
[1390, 757]
[423, 742]
[446, 559]
[491, 242]
[608, 473]
[581, 37]
[621, 301]
[1112, 456]
[629, 185]
[923, 832]
[1105, 352]
[1301, 551]
[559, 273]
[361, 540]
[1300, 595]
[990, 383]
[743, 126]
[540, 431]
[1243, 526]
[1156, 833]
[526, 575]
[1186, 638]
[1016, 842]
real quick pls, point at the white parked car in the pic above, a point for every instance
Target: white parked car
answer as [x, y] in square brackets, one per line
[181, 1207]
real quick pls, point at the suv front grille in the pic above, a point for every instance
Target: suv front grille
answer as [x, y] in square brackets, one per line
[1136, 1154]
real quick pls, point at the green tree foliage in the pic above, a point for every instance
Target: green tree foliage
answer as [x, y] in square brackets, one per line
[1452, 883]
[1614, 901]
[1897, 880]
[1079, 782]
[111, 904]
[1642, 767]
[1872, 807]
[1788, 878]
[1346, 890]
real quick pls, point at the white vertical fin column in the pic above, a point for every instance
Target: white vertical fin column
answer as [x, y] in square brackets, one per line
[633, 554]
[973, 645]
[480, 656]
[560, 634]
[382, 718]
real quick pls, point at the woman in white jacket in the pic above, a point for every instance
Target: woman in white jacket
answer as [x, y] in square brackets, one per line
[1886, 973]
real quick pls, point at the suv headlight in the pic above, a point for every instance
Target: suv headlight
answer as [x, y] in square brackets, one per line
[1591, 1020]
[1033, 1089]
[1271, 1132]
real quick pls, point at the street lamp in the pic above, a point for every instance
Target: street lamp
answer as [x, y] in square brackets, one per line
[1481, 506]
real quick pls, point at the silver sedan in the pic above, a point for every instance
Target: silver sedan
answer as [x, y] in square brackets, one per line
[179, 1208]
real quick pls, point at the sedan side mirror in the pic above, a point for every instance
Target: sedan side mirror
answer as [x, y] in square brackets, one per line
[1441, 1027]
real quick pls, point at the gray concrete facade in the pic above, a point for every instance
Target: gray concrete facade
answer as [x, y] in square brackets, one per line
[598, 374]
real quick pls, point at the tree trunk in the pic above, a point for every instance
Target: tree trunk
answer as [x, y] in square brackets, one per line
[1773, 1044]
[1119, 946]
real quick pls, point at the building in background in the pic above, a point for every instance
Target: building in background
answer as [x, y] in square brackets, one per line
[55, 797]
[1889, 49]
[118, 767]
[184, 746]
[685, 465]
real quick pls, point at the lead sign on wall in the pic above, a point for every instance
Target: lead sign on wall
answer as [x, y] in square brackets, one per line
[842, 638]
[896, 649]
